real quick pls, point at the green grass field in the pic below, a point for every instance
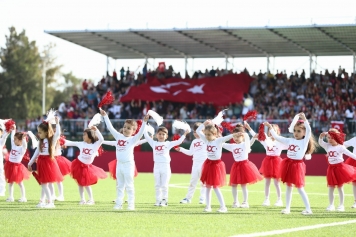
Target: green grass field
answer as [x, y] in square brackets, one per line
[70, 219]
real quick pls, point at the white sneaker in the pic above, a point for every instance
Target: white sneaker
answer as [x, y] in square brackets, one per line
[354, 206]
[266, 203]
[201, 201]
[49, 205]
[235, 205]
[59, 199]
[340, 208]
[279, 203]
[222, 210]
[244, 205]
[207, 209]
[118, 207]
[330, 208]
[10, 200]
[185, 201]
[131, 207]
[163, 203]
[285, 211]
[82, 202]
[157, 203]
[307, 212]
[90, 202]
[22, 200]
[41, 204]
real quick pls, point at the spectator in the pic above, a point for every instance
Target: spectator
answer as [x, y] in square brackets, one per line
[122, 73]
[85, 87]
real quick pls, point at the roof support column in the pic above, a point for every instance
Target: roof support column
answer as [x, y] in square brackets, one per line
[267, 63]
[107, 65]
[185, 65]
[310, 64]
[226, 62]
[354, 66]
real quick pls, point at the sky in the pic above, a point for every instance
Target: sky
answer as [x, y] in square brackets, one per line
[39, 15]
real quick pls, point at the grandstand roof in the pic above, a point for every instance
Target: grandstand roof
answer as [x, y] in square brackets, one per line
[317, 40]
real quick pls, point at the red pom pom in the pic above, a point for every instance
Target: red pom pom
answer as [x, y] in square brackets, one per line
[9, 124]
[107, 99]
[228, 126]
[250, 115]
[26, 156]
[338, 137]
[175, 138]
[62, 140]
[139, 124]
[261, 132]
[101, 150]
[36, 177]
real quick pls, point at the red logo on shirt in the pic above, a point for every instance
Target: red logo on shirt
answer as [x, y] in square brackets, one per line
[121, 142]
[197, 144]
[14, 152]
[270, 148]
[87, 151]
[238, 151]
[332, 154]
[159, 148]
[292, 148]
[210, 148]
[44, 145]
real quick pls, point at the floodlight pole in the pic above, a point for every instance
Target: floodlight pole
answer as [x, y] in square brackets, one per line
[107, 64]
[226, 62]
[43, 87]
[267, 64]
[310, 64]
[354, 66]
[186, 64]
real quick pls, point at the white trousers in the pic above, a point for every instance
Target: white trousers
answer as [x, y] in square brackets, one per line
[195, 178]
[2, 176]
[162, 174]
[125, 180]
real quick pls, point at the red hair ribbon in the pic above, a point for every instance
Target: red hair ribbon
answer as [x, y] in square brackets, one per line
[228, 126]
[261, 132]
[338, 137]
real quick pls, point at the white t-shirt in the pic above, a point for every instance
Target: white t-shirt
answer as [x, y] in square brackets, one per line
[197, 149]
[272, 147]
[239, 150]
[17, 152]
[334, 153]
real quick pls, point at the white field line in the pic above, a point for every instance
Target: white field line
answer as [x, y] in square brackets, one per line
[185, 186]
[284, 231]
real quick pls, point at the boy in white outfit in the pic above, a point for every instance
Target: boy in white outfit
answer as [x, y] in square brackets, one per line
[162, 160]
[198, 151]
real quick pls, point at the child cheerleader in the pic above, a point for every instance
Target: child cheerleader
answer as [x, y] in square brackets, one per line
[197, 149]
[213, 172]
[162, 160]
[15, 171]
[243, 171]
[270, 167]
[293, 168]
[338, 172]
[82, 169]
[3, 136]
[352, 162]
[47, 167]
[125, 160]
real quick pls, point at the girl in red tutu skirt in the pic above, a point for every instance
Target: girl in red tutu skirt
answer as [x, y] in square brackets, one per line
[352, 162]
[270, 167]
[82, 169]
[15, 171]
[47, 168]
[292, 171]
[213, 172]
[338, 172]
[243, 171]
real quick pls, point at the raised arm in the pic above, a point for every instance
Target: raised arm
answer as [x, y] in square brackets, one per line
[138, 136]
[70, 143]
[201, 134]
[148, 138]
[177, 142]
[111, 129]
[99, 136]
[321, 141]
[247, 142]
[33, 158]
[140, 142]
[12, 137]
[33, 139]
[24, 146]
[185, 151]
[3, 139]
[350, 142]
[348, 153]
[228, 146]
[57, 133]
[110, 143]
[281, 139]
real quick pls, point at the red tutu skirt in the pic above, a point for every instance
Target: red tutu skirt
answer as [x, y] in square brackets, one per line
[292, 172]
[15, 172]
[86, 175]
[351, 162]
[213, 173]
[270, 167]
[339, 174]
[64, 164]
[244, 172]
[112, 169]
[48, 170]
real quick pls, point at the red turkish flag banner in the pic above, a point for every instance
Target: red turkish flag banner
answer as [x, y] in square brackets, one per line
[219, 91]
[338, 125]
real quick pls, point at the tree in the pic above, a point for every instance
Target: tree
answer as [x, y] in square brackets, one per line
[21, 79]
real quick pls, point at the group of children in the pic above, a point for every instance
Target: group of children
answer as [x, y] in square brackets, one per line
[208, 168]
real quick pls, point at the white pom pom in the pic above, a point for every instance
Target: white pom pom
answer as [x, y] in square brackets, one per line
[219, 118]
[95, 120]
[2, 124]
[156, 117]
[181, 125]
[248, 102]
[150, 129]
[33, 139]
[50, 116]
[308, 156]
[294, 122]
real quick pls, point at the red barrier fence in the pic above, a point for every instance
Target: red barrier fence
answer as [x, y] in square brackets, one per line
[182, 163]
